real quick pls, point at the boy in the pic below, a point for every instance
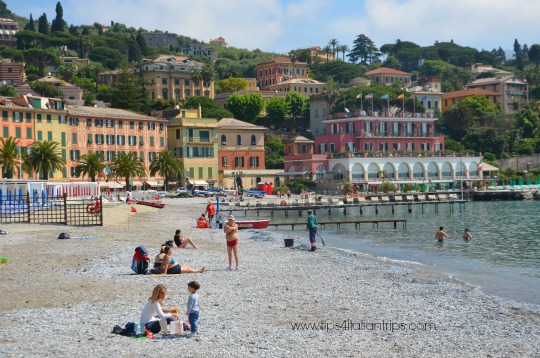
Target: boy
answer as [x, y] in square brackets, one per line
[193, 307]
[441, 235]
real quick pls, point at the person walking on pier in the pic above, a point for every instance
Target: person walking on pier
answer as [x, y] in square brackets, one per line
[312, 227]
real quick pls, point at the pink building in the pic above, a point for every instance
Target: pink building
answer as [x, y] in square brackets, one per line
[279, 69]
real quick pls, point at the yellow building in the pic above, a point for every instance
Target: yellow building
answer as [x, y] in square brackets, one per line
[193, 139]
[170, 77]
[448, 99]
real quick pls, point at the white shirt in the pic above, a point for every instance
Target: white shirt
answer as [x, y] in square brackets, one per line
[150, 310]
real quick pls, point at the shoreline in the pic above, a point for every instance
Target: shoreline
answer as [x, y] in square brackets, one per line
[69, 301]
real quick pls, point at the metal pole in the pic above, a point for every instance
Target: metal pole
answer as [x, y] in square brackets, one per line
[461, 168]
[20, 163]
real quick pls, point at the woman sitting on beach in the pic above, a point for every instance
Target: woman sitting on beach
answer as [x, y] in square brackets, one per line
[202, 223]
[168, 264]
[153, 308]
[182, 242]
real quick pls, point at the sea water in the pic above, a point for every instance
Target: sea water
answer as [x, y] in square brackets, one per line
[503, 257]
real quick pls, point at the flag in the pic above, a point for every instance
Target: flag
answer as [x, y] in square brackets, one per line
[412, 96]
[347, 110]
[480, 166]
[424, 98]
[385, 96]
[105, 171]
[369, 96]
[358, 96]
[401, 96]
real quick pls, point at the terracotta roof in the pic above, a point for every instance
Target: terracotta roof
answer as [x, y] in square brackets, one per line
[484, 81]
[106, 112]
[282, 59]
[232, 123]
[469, 92]
[386, 71]
[299, 139]
[219, 39]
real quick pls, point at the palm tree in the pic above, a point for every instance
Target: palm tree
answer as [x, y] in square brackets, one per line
[196, 77]
[167, 165]
[333, 43]
[8, 155]
[327, 51]
[342, 48]
[208, 74]
[127, 165]
[46, 156]
[90, 164]
[331, 93]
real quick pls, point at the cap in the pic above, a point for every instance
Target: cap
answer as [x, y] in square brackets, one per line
[230, 217]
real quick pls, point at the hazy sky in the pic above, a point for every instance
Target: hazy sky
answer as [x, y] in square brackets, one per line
[282, 25]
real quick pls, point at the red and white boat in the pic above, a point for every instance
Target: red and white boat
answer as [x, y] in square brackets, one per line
[253, 224]
[148, 198]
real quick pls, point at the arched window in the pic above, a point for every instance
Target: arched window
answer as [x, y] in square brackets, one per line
[253, 140]
[223, 139]
[238, 139]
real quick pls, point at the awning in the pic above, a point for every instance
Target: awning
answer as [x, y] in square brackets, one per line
[211, 181]
[112, 185]
[153, 183]
[489, 168]
[292, 173]
[123, 183]
[198, 182]
[137, 183]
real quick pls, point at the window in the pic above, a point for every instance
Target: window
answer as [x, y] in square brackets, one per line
[121, 139]
[100, 138]
[39, 135]
[152, 141]
[332, 147]
[200, 172]
[109, 123]
[239, 161]
[161, 141]
[74, 121]
[165, 94]
[74, 154]
[163, 81]
[224, 161]
[49, 135]
[253, 140]
[38, 118]
[238, 139]
[18, 132]
[89, 122]
[151, 126]
[186, 82]
[120, 124]
[304, 149]
[210, 172]
[223, 139]
[28, 117]
[368, 146]
[109, 139]
[177, 82]
[177, 134]
[141, 125]
[89, 138]
[132, 140]
[254, 162]
[63, 136]
[29, 133]
[131, 125]
[204, 136]
[74, 172]
[335, 128]
[190, 134]
[141, 142]
[49, 118]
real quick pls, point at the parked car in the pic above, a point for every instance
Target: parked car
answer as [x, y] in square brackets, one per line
[182, 193]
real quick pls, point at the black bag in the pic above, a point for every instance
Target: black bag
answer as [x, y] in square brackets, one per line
[63, 236]
[169, 243]
[140, 261]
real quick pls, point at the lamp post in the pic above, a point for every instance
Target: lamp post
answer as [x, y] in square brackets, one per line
[20, 163]
[461, 168]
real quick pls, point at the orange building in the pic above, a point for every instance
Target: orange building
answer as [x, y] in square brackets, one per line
[279, 69]
[448, 99]
[388, 76]
[12, 72]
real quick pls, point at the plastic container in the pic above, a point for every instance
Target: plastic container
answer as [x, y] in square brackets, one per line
[289, 242]
[138, 329]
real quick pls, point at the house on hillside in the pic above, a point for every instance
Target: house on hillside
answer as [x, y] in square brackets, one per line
[514, 92]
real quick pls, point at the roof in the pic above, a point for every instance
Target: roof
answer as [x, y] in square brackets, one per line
[219, 39]
[469, 92]
[51, 79]
[282, 59]
[232, 123]
[385, 71]
[301, 81]
[299, 139]
[106, 112]
[489, 168]
[499, 79]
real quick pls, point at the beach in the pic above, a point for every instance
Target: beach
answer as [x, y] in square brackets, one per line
[63, 297]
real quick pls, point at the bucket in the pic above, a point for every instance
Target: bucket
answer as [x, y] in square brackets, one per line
[289, 242]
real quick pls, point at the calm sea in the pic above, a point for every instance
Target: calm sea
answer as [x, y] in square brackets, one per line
[502, 259]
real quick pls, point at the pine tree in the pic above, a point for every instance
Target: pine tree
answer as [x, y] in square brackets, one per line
[142, 44]
[58, 24]
[43, 24]
[30, 26]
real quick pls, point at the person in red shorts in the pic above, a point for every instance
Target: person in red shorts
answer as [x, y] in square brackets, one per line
[211, 211]
[231, 235]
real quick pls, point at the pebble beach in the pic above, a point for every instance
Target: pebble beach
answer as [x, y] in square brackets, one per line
[63, 297]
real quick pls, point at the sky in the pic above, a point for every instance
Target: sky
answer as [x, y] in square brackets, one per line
[283, 25]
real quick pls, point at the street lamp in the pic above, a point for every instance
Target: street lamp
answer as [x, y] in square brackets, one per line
[20, 163]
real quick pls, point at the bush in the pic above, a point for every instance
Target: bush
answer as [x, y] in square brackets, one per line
[489, 156]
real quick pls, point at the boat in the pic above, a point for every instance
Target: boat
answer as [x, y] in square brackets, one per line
[253, 224]
[147, 197]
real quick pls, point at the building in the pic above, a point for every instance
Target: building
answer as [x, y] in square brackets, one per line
[8, 28]
[161, 39]
[200, 49]
[219, 41]
[448, 99]
[279, 69]
[514, 93]
[318, 109]
[479, 68]
[303, 86]
[71, 92]
[193, 140]
[170, 78]
[241, 152]
[76, 62]
[108, 78]
[109, 131]
[12, 73]
[389, 76]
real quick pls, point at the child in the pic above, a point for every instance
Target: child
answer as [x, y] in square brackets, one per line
[193, 307]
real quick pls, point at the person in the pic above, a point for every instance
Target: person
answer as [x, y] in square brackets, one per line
[193, 307]
[118, 198]
[168, 264]
[182, 242]
[288, 194]
[128, 197]
[440, 235]
[312, 227]
[279, 194]
[231, 235]
[202, 223]
[98, 205]
[467, 235]
[211, 211]
[153, 308]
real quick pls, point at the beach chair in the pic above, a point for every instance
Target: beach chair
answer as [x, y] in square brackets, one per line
[421, 197]
[453, 196]
[443, 197]
[263, 203]
[431, 197]
[409, 197]
[361, 199]
[323, 201]
[385, 199]
[242, 204]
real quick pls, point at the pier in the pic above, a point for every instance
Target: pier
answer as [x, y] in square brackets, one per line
[356, 223]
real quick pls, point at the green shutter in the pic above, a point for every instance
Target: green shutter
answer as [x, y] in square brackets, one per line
[39, 135]
[29, 133]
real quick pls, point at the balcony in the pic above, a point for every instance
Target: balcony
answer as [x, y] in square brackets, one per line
[203, 140]
[392, 134]
[376, 114]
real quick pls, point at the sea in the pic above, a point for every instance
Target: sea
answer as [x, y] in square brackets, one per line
[502, 259]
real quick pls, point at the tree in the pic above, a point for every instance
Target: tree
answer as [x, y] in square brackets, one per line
[109, 57]
[46, 157]
[534, 54]
[143, 46]
[364, 50]
[7, 91]
[43, 25]
[277, 110]
[134, 51]
[232, 84]
[66, 71]
[298, 105]
[89, 99]
[331, 93]
[342, 48]
[245, 107]
[327, 50]
[274, 151]
[209, 108]
[208, 74]
[127, 91]
[30, 26]
[128, 165]
[58, 24]
[518, 55]
[41, 59]
[90, 164]
[46, 89]
[167, 165]
[196, 77]
[333, 43]
[9, 156]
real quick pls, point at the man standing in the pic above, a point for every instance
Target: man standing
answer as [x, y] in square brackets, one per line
[440, 235]
[211, 211]
[312, 227]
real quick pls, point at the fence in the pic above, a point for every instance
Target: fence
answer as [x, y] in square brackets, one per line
[51, 210]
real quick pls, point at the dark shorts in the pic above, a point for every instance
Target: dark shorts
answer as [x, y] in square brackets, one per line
[232, 243]
[174, 271]
[440, 240]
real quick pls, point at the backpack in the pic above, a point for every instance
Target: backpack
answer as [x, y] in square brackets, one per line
[140, 261]
[63, 236]
[168, 243]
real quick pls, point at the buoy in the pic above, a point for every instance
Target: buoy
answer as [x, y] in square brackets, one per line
[283, 203]
[133, 210]
[91, 209]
